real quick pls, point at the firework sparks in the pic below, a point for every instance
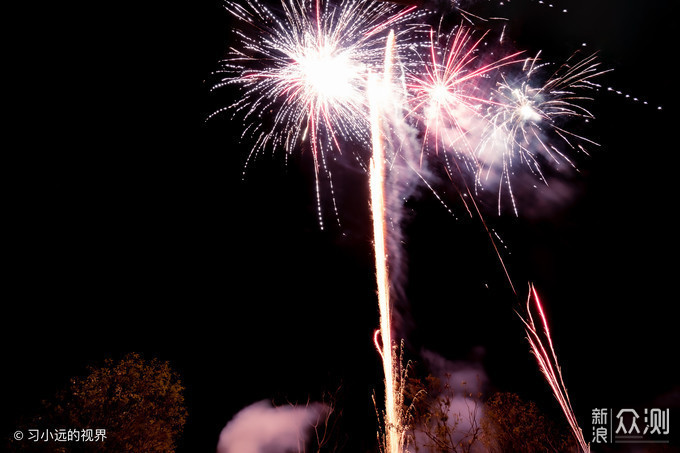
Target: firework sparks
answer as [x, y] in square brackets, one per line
[309, 69]
[378, 91]
[303, 77]
[548, 364]
[309, 78]
[489, 112]
[448, 95]
[523, 120]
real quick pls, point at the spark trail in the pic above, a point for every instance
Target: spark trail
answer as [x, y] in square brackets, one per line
[548, 364]
[377, 91]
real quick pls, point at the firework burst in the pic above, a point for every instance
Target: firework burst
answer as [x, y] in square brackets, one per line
[486, 106]
[307, 65]
[525, 120]
[448, 89]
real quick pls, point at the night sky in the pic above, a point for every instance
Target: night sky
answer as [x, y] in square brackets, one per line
[129, 227]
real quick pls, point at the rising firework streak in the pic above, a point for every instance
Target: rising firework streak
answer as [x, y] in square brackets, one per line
[548, 364]
[379, 92]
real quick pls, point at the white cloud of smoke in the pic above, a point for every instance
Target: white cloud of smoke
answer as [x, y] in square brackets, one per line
[460, 374]
[263, 428]
[465, 380]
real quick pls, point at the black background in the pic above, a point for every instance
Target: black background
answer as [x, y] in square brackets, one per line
[129, 227]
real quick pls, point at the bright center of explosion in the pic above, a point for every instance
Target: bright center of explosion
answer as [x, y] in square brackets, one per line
[525, 111]
[441, 99]
[329, 76]
[439, 94]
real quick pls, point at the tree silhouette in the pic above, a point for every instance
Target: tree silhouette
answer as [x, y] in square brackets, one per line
[449, 418]
[130, 405]
[511, 424]
[445, 417]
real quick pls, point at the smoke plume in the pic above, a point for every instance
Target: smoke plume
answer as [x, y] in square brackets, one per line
[464, 379]
[263, 428]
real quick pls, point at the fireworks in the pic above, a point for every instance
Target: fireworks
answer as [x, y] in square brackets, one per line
[447, 97]
[547, 362]
[524, 119]
[377, 181]
[321, 76]
[303, 71]
[308, 67]
[493, 115]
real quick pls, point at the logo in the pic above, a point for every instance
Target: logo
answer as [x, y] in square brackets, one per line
[629, 426]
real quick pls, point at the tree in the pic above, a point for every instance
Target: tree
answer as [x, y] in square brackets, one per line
[448, 418]
[511, 424]
[137, 405]
[445, 416]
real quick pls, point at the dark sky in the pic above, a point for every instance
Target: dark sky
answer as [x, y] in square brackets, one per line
[129, 228]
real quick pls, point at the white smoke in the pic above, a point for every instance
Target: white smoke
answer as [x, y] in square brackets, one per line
[461, 374]
[406, 174]
[263, 428]
[465, 380]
